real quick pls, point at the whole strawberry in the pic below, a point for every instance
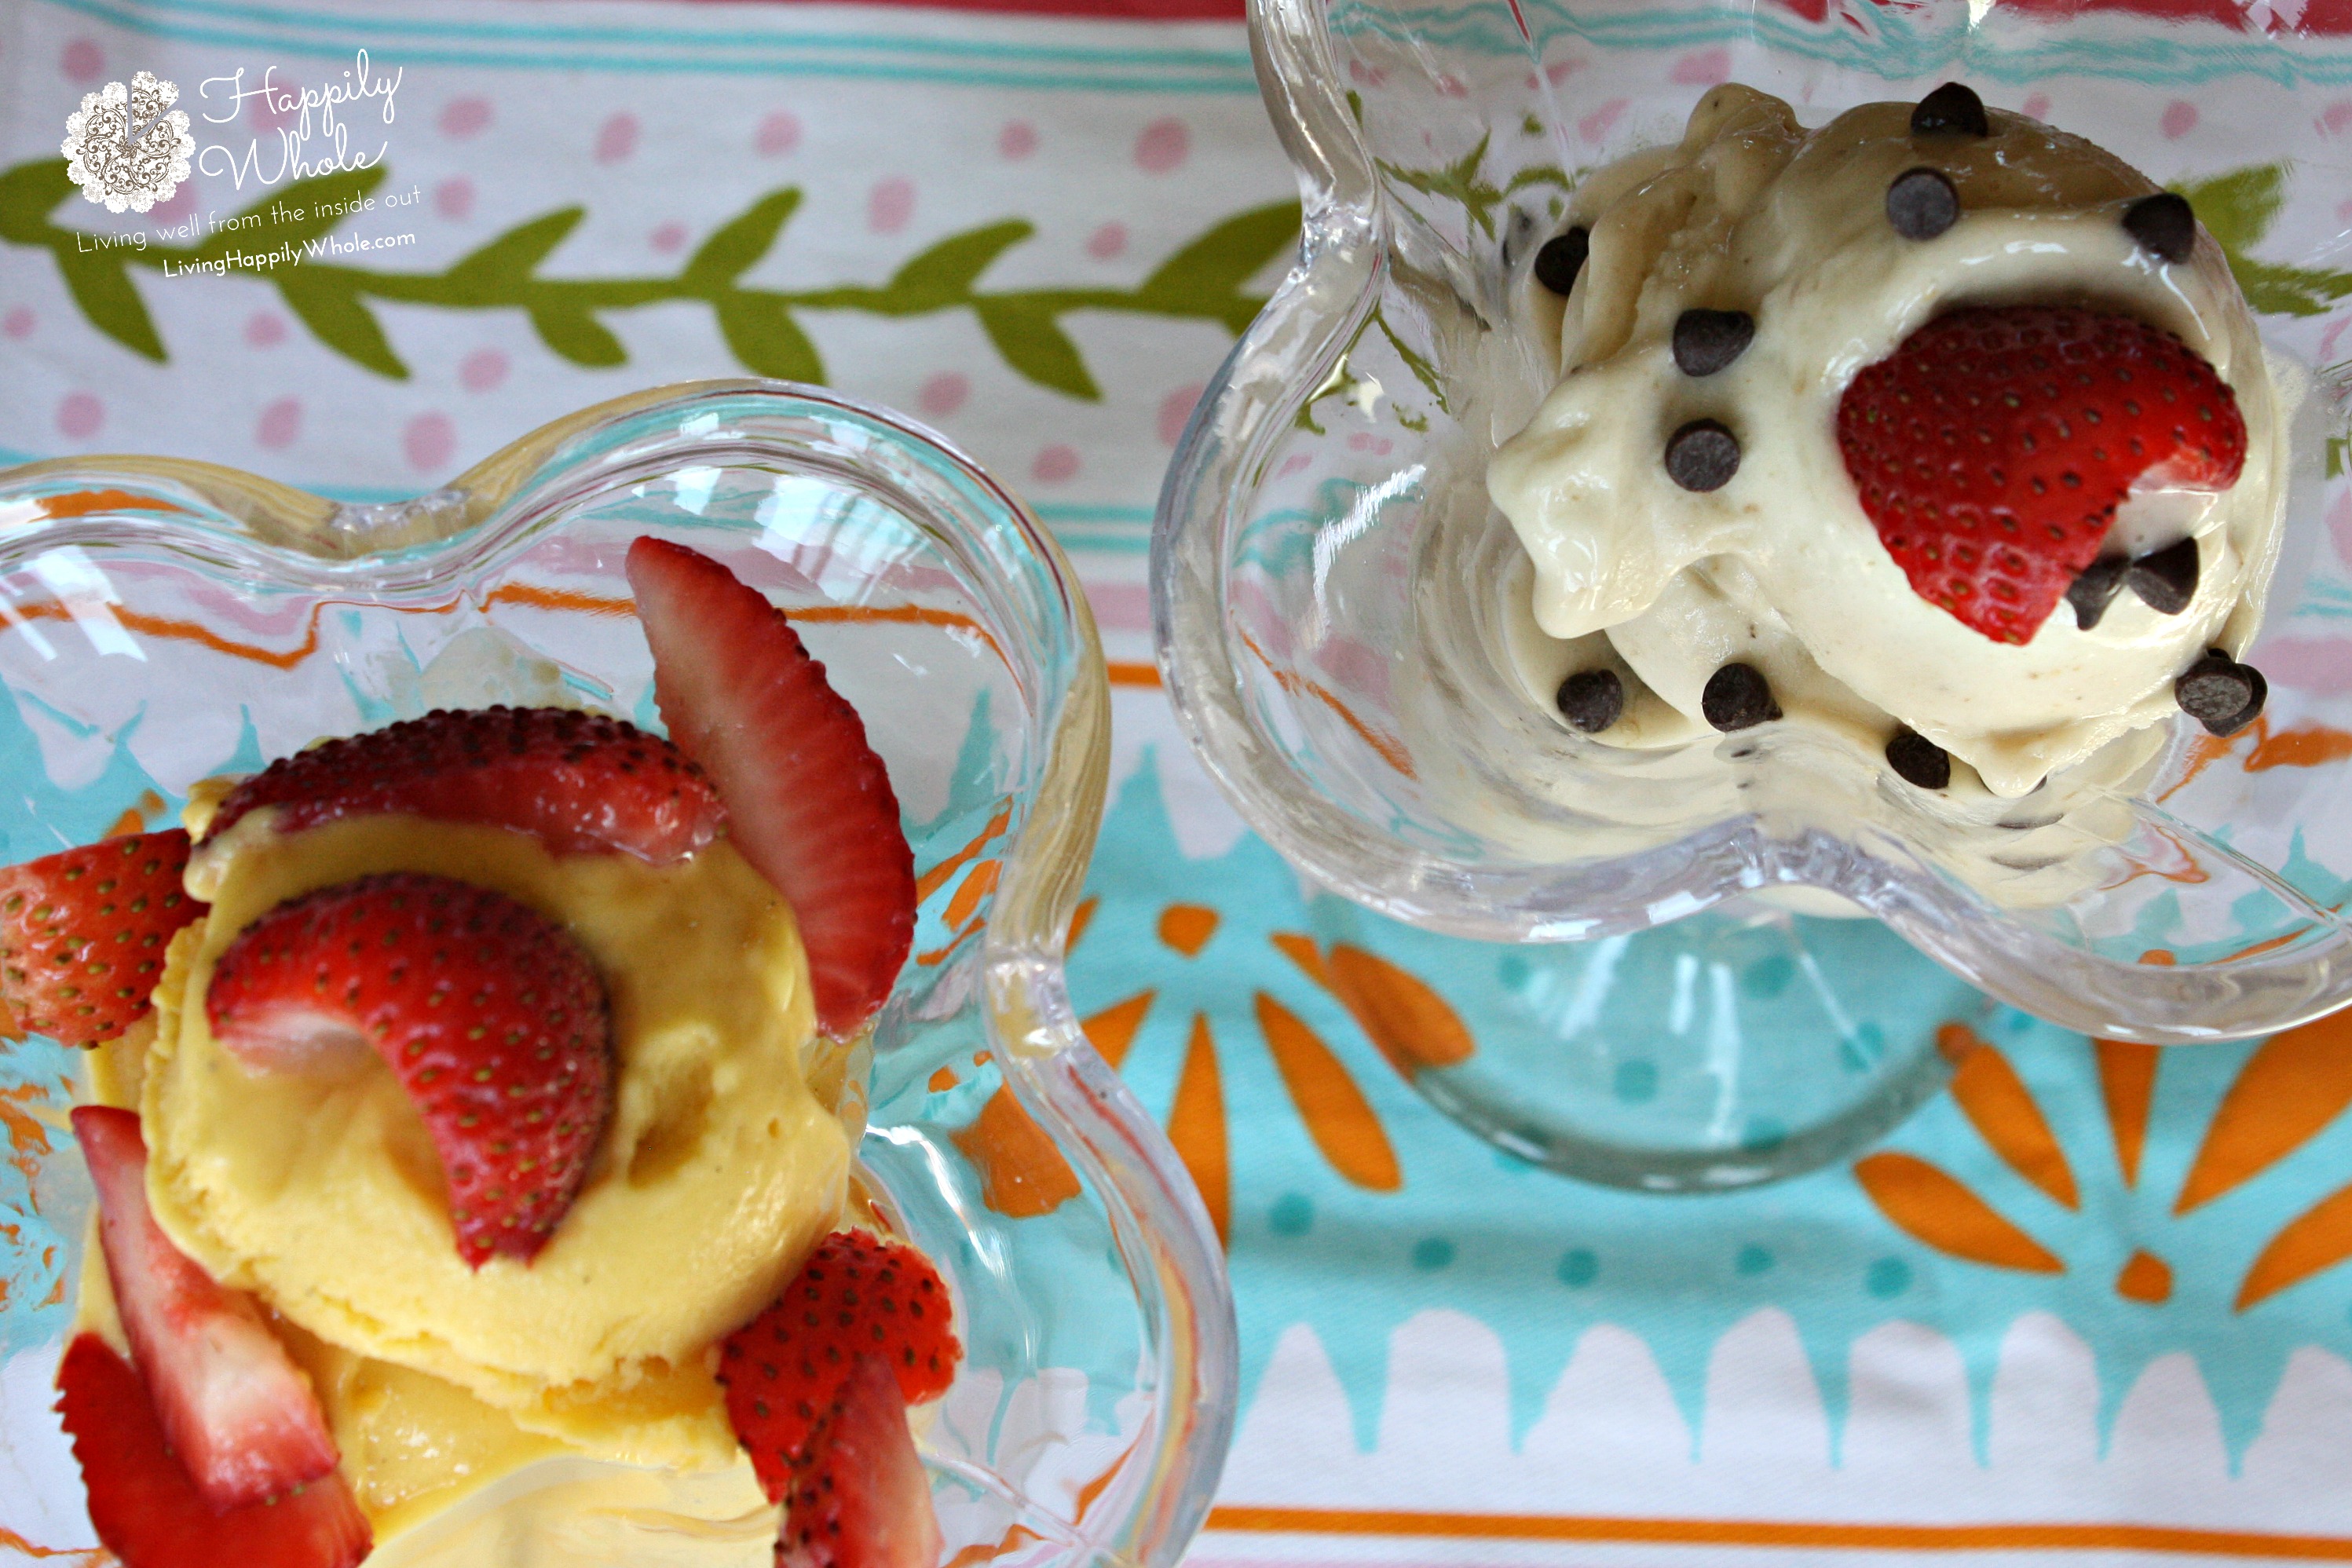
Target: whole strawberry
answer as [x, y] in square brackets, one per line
[1991, 449]
[82, 933]
[581, 783]
[490, 1014]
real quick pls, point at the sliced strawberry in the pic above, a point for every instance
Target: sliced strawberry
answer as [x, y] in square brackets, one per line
[148, 1513]
[490, 1014]
[580, 782]
[808, 802]
[82, 933]
[856, 1296]
[234, 1408]
[862, 1499]
[1991, 449]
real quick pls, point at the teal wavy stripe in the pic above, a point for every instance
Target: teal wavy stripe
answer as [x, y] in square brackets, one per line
[1896, 49]
[780, 55]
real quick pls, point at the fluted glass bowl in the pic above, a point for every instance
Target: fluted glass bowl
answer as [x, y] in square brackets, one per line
[1328, 574]
[165, 620]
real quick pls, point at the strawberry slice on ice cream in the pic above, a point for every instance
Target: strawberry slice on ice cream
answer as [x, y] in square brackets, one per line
[228, 1399]
[149, 1514]
[82, 933]
[1991, 449]
[861, 1500]
[491, 1016]
[809, 804]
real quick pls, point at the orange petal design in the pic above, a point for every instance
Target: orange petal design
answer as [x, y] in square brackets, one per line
[1080, 918]
[942, 1080]
[931, 881]
[2147, 1278]
[1022, 1174]
[1410, 1023]
[81, 503]
[1113, 1028]
[981, 1552]
[1187, 927]
[2293, 1085]
[2319, 1237]
[1196, 1125]
[1936, 1210]
[1337, 1115]
[2313, 746]
[133, 820]
[1999, 1106]
[2127, 1083]
[977, 886]
[1300, 950]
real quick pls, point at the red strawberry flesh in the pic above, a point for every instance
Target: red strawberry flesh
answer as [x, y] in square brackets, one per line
[1991, 449]
[581, 783]
[231, 1403]
[856, 1296]
[150, 1515]
[82, 933]
[862, 1501]
[491, 1016]
[809, 804]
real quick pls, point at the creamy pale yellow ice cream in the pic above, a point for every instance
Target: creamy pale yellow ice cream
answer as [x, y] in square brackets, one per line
[1780, 568]
[578, 1388]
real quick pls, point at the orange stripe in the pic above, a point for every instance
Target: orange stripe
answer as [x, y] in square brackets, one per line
[81, 503]
[1780, 1532]
[1391, 751]
[939, 954]
[975, 887]
[189, 632]
[931, 881]
[1125, 674]
[560, 599]
[902, 614]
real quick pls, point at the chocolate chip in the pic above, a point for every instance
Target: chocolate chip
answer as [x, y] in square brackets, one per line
[1593, 700]
[1561, 258]
[1919, 759]
[2094, 587]
[2221, 694]
[1707, 340]
[1702, 455]
[2163, 224]
[1922, 204]
[1951, 109]
[2165, 580]
[1738, 698]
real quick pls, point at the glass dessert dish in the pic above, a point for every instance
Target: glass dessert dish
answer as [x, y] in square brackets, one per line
[1334, 591]
[169, 621]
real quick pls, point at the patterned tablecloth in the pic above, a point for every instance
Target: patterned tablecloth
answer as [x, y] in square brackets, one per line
[2100, 1315]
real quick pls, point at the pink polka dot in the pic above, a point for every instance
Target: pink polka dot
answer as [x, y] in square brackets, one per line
[1703, 67]
[890, 204]
[2344, 211]
[1363, 441]
[183, 203]
[1163, 146]
[430, 441]
[19, 322]
[484, 370]
[1448, 85]
[616, 138]
[2337, 119]
[1176, 412]
[1363, 75]
[280, 106]
[1596, 126]
[669, 238]
[464, 117]
[2179, 118]
[80, 416]
[2036, 106]
[265, 329]
[1055, 464]
[1107, 242]
[1296, 463]
[281, 424]
[453, 197]
[1017, 140]
[944, 394]
[779, 133]
[83, 61]
[1560, 70]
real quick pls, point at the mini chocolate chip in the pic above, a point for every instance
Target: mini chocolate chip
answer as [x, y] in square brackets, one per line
[2163, 224]
[1952, 110]
[2094, 587]
[2165, 580]
[1593, 700]
[2221, 694]
[1738, 698]
[1922, 204]
[1919, 759]
[1561, 258]
[1702, 455]
[1707, 340]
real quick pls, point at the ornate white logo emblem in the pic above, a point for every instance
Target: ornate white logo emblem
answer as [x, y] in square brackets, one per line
[129, 148]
